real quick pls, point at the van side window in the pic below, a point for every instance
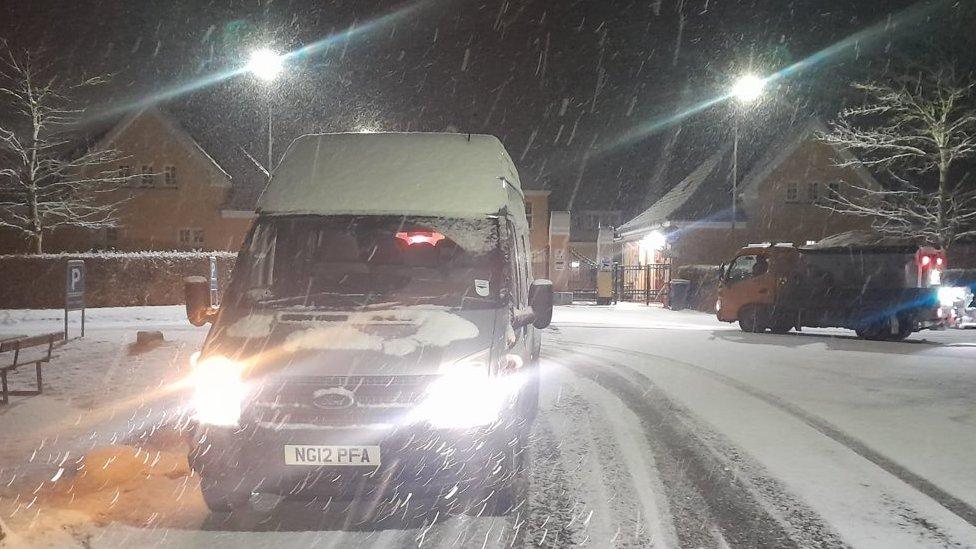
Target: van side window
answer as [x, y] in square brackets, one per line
[515, 267]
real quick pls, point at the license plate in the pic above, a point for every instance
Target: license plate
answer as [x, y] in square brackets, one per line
[366, 456]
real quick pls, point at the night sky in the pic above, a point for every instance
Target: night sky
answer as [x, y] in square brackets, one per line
[573, 88]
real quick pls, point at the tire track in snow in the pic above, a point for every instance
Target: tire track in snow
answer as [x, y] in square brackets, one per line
[587, 491]
[687, 465]
[951, 503]
[623, 432]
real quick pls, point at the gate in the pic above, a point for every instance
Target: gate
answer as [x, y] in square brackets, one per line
[641, 282]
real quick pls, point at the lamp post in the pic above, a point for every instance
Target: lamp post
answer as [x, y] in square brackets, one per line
[266, 65]
[746, 90]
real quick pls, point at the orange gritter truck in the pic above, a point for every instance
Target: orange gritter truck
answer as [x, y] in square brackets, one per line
[882, 292]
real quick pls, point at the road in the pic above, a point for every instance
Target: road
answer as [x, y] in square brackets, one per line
[657, 429]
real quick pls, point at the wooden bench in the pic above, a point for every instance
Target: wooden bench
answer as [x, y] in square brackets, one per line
[17, 346]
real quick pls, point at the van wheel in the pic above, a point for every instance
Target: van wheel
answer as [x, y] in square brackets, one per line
[511, 488]
[529, 399]
[749, 319]
[220, 497]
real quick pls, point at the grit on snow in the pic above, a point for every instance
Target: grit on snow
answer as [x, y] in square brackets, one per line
[657, 429]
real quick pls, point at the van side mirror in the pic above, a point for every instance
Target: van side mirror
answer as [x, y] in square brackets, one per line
[540, 299]
[197, 292]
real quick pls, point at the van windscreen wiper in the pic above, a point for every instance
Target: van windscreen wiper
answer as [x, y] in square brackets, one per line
[350, 298]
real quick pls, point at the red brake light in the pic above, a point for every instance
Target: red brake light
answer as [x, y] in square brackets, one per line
[938, 261]
[926, 260]
[420, 237]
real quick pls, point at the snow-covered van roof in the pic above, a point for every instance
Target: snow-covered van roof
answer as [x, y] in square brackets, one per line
[435, 174]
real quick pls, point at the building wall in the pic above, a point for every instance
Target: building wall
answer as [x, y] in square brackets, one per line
[707, 246]
[152, 217]
[781, 208]
[775, 215]
[538, 203]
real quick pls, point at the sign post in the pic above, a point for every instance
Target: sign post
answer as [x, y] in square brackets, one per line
[74, 292]
[214, 294]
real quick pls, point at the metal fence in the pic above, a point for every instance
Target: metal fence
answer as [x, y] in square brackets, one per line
[644, 283]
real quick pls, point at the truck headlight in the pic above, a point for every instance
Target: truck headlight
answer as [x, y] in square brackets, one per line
[218, 391]
[466, 395]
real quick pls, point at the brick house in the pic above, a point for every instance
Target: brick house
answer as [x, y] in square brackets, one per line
[181, 198]
[780, 199]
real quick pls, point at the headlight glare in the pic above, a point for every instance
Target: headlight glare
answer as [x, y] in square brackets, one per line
[218, 391]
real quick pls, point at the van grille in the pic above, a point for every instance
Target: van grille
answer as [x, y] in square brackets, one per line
[377, 400]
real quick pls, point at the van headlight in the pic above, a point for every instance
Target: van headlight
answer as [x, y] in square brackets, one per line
[466, 395]
[218, 390]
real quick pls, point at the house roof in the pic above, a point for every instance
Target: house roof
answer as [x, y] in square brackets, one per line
[699, 196]
[704, 194]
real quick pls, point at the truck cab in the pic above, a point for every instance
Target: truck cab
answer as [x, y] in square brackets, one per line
[381, 329]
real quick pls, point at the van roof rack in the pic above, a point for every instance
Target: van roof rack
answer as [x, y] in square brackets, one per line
[771, 244]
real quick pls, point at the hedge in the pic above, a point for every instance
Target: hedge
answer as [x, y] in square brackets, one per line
[112, 279]
[703, 290]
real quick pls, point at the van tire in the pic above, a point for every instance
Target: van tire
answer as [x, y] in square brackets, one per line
[529, 399]
[510, 491]
[750, 319]
[220, 497]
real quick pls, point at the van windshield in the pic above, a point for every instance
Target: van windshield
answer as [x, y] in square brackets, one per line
[361, 261]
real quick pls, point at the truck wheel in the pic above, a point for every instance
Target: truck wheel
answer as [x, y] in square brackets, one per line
[750, 319]
[221, 497]
[905, 328]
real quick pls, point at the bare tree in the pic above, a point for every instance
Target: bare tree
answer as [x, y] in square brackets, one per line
[48, 179]
[916, 129]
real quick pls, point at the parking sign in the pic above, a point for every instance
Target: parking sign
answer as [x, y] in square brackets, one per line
[74, 292]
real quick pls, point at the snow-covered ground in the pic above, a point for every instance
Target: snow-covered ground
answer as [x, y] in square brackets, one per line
[657, 429]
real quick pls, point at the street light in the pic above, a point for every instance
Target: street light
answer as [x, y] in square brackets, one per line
[746, 90]
[266, 65]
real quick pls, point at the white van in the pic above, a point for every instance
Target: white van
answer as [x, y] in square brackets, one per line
[381, 328]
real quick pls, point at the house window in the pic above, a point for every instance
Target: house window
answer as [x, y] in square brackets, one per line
[528, 213]
[148, 178]
[833, 190]
[813, 192]
[124, 174]
[191, 237]
[169, 176]
[792, 192]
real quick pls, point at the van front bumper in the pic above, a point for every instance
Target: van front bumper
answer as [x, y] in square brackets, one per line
[414, 459]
